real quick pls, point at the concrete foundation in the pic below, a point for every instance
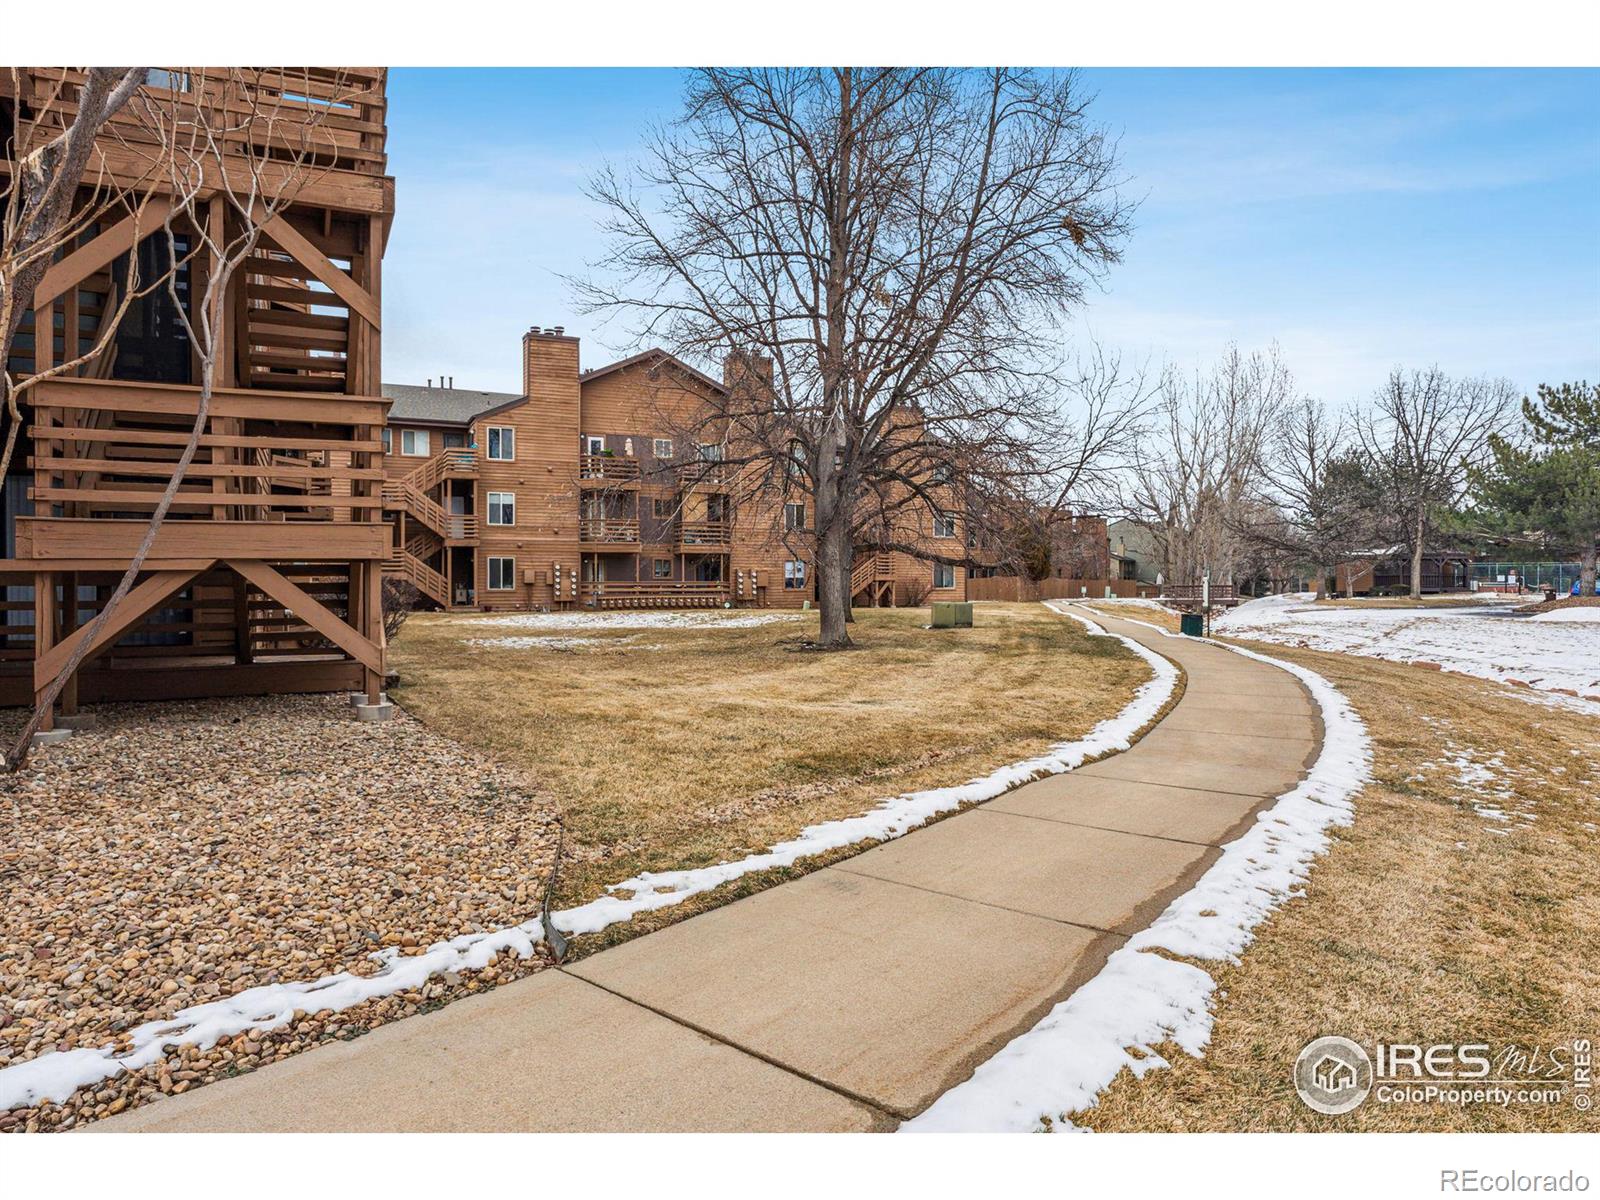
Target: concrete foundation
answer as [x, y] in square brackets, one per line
[78, 722]
[50, 737]
[374, 712]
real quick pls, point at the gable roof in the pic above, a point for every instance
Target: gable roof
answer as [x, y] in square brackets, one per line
[653, 357]
[442, 405]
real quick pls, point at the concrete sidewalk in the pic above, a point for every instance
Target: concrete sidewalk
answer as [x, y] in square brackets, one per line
[845, 1000]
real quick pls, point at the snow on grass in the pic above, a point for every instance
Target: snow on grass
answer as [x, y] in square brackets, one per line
[577, 621]
[557, 642]
[56, 1076]
[1142, 998]
[1483, 641]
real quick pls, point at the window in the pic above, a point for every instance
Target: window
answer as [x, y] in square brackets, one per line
[414, 442]
[796, 459]
[662, 448]
[502, 443]
[794, 575]
[594, 444]
[662, 568]
[454, 440]
[794, 516]
[161, 77]
[944, 575]
[662, 508]
[941, 474]
[944, 525]
[502, 508]
[502, 574]
[710, 452]
[388, 440]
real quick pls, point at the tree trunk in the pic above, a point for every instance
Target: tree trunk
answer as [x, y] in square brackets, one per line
[1322, 582]
[1586, 564]
[833, 585]
[1416, 560]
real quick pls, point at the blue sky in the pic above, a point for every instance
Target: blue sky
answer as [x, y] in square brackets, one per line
[1361, 218]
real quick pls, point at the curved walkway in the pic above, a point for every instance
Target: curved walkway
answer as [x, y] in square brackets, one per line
[848, 999]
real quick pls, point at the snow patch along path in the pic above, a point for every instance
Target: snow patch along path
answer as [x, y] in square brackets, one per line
[1483, 641]
[55, 1076]
[1142, 998]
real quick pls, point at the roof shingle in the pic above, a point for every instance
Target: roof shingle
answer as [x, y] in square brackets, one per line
[455, 406]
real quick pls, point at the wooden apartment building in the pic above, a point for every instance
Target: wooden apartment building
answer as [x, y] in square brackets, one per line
[576, 493]
[266, 575]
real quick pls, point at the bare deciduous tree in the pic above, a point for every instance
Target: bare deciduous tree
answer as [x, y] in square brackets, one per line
[1205, 460]
[1317, 495]
[891, 250]
[1422, 434]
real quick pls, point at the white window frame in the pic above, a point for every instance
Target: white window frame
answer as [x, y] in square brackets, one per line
[788, 514]
[508, 436]
[594, 444]
[661, 447]
[940, 568]
[508, 574]
[710, 451]
[794, 575]
[417, 437]
[944, 525]
[499, 501]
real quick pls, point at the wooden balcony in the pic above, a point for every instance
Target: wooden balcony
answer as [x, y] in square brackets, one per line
[705, 475]
[605, 470]
[704, 536]
[663, 594]
[341, 111]
[608, 531]
[104, 450]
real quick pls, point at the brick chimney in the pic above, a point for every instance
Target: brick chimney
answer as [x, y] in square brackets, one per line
[744, 368]
[550, 366]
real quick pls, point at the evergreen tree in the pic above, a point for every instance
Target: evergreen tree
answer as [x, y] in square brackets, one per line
[1545, 488]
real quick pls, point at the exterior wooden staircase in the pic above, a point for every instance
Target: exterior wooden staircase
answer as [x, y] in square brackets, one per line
[433, 529]
[872, 581]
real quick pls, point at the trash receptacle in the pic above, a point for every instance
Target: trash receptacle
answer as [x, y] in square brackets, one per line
[1192, 624]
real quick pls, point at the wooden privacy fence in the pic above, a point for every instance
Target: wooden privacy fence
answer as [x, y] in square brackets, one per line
[1013, 587]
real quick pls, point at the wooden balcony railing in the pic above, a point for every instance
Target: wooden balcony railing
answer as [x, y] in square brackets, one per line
[340, 111]
[606, 468]
[606, 529]
[451, 464]
[662, 594]
[705, 533]
[704, 474]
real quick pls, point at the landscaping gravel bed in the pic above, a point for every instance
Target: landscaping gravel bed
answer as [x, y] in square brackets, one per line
[183, 852]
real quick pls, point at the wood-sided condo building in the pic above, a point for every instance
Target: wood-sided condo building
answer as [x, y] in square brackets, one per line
[266, 575]
[579, 492]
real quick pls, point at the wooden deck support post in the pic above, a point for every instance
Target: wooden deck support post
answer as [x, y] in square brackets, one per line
[243, 652]
[373, 613]
[68, 624]
[44, 634]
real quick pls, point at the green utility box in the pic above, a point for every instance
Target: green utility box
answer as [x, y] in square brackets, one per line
[1193, 625]
[952, 614]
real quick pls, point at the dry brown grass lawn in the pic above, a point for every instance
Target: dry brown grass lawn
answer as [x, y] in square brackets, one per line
[673, 748]
[1427, 921]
